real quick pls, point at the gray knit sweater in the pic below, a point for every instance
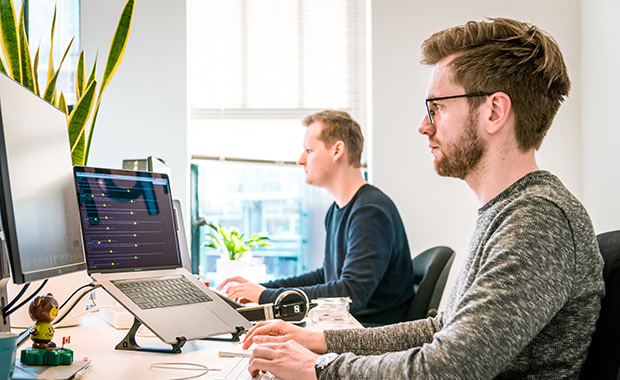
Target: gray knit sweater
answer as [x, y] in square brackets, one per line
[524, 305]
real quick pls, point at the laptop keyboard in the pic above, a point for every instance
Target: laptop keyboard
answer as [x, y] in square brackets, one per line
[237, 369]
[158, 292]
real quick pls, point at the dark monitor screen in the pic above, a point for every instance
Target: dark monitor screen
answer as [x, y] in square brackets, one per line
[38, 203]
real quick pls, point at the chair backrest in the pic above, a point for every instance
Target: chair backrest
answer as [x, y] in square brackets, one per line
[603, 361]
[430, 273]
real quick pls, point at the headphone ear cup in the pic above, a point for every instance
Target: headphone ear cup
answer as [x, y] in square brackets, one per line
[292, 304]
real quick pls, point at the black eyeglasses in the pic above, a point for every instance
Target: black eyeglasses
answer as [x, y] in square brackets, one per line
[432, 112]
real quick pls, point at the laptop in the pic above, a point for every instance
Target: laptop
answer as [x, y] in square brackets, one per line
[130, 237]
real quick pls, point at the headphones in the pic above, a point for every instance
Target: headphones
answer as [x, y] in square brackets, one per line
[291, 305]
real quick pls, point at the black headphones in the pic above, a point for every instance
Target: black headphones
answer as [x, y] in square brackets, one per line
[291, 305]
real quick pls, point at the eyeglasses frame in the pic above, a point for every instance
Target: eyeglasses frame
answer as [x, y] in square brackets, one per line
[428, 111]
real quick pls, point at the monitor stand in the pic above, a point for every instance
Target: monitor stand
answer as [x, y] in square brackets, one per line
[4, 321]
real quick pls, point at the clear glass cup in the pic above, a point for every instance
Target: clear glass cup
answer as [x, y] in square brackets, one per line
[330, 309]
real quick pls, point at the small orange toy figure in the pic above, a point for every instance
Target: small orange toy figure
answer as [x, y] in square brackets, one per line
[43, 310]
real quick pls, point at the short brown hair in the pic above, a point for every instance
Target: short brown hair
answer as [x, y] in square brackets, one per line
[339, 126]
[508, 56]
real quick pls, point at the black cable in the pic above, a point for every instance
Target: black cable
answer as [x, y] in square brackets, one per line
[17, 297]
[25, 335]
[7, 313]
[91, 285]
[76, 301]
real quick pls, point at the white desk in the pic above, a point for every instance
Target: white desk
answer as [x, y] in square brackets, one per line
[96, 339]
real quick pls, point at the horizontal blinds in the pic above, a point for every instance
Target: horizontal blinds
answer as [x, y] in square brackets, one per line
[257, 67]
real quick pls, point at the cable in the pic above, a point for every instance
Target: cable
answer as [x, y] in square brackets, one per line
[91, 286]
[25, 335]
[9, 312]
[183, 367]
[17, 297]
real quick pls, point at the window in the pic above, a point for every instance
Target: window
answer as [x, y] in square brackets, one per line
[39, 20]
[257, 68]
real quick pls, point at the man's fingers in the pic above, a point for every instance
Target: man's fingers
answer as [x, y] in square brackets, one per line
[257, 365]
[270, 339]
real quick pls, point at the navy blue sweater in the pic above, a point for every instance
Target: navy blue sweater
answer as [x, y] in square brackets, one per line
[367, 258]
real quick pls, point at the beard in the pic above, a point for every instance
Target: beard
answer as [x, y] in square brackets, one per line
[463, 156]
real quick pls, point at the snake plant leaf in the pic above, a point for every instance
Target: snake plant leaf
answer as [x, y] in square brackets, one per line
[35, 74]
[119, 43]
[79, 76]
[25, 61]
[77, 123]
[2, 66]
[62, 104]
[50, 91]
[93, 71]
[10, 45]
[50, 63]
[117, 49]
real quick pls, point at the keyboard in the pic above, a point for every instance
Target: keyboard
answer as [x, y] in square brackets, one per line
[237, 369]
[158, 292]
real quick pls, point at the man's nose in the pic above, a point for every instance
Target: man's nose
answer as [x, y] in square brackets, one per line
[426, 128]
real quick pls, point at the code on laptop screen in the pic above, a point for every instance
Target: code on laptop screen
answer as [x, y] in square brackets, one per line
[127, 220]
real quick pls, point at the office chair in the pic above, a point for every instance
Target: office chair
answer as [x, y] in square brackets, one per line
[603, 361]
[430, 272]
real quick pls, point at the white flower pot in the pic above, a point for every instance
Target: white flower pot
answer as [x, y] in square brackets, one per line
[230, 268]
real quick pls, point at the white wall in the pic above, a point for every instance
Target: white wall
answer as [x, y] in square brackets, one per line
[601, 126]
[442, 211]
[144, 108]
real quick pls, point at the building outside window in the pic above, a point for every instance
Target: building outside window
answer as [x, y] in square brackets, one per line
[257, 68]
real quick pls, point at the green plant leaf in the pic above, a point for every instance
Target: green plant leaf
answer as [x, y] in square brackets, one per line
[10, 45]
[50, 91]
[115, 56]
[35, 74]
[62, 104]
[2, 66]
[50, 63]
[79, 76]
[119, 43]
[93, 71]
[232, 242]
[77, 124]
[25, 61]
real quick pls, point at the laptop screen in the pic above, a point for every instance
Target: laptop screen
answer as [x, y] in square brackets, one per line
[127, 220]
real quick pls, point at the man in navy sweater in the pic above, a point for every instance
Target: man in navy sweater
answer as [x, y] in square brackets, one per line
[367, 255]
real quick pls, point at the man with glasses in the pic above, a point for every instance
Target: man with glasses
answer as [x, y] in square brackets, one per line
[527, 298]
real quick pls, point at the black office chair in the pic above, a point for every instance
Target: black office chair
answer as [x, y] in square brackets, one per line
[430, 272]
[603, 361]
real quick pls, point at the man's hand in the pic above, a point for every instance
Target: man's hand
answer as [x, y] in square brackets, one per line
[281, 332]
[239, 288]
[287, 360]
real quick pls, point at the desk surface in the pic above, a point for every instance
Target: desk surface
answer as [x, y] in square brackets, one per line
[95, 339]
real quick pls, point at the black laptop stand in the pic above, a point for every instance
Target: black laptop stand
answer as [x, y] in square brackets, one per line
[129, 341]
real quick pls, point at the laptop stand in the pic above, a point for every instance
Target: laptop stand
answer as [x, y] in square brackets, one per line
[234, 338]
[129, 342]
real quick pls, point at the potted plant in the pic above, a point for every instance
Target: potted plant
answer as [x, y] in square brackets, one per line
[235, 249]
[19, 65]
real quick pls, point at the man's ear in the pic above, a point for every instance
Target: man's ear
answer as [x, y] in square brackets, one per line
[338, 149]
[499, 111]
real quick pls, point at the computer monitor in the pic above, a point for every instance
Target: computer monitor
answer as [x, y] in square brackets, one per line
[39, 208]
